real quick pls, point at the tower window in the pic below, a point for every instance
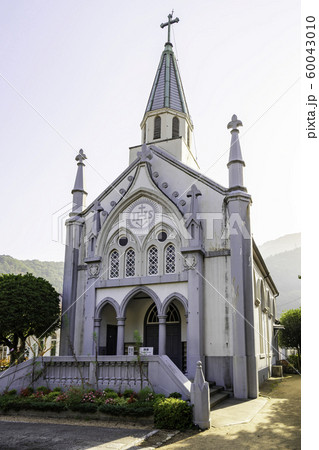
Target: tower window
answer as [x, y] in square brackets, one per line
[153, 261]
[114, 264]
[170, 259]
[188, 138]
[175, 128]
[130, 263]
[157, 127]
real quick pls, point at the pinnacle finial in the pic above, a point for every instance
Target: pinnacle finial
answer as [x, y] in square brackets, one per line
[234, 124]
[168, 24]
[81, 156]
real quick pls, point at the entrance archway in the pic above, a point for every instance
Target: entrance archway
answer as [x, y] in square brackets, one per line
[173, 332]
[108, 331]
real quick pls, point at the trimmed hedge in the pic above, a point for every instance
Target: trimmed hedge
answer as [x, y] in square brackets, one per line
[173, 414]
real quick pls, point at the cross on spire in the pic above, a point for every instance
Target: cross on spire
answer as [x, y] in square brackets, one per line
[234, 124]
[168, 24]
[80, 157]
[194, 193]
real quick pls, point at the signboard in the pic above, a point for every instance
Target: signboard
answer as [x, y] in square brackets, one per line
[130, 350]
[146, 351]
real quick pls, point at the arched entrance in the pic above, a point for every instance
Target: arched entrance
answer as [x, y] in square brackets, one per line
[108, 331]
[173, 333]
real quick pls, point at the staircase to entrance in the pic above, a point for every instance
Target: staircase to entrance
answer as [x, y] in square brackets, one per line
[217, 394]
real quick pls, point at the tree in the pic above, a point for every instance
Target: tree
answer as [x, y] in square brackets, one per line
[290, 337]
[29, 306]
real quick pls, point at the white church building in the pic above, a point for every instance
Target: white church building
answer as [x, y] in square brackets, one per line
[168, 252]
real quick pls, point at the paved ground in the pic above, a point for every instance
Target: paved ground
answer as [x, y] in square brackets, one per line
[271, 421]
[274, 424]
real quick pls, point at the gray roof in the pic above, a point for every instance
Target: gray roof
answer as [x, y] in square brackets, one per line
[167, 90]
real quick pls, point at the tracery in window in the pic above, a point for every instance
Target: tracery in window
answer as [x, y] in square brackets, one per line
[130, 263]
[172, 314]
[153, 261]
[114, 264]
[170, 259]
[152, 316]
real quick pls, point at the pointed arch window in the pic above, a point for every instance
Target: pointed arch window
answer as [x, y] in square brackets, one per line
[114, 264]
[157, 127]
[153, 261]
[130, 263]
[170, 259]
[175, 127]
[172, 314]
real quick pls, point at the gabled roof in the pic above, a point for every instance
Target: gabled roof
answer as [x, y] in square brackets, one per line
[167, 90]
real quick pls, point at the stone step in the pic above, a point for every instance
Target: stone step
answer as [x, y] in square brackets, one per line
[218, 398]
[215, 389]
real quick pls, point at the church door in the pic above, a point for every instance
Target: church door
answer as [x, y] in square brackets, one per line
[111, 339]
[151, 329]
[173, 333]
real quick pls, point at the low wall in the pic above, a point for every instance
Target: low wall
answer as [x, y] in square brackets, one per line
[114, 372]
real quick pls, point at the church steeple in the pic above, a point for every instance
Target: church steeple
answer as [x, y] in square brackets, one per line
[167, 122]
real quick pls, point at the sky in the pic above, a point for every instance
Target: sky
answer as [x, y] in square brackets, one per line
[77, 74]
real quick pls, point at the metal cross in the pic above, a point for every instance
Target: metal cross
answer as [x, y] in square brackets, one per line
[234, 123]
[168, 24]
[194, 193]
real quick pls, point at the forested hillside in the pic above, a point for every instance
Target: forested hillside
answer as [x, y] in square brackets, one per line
[50, 270]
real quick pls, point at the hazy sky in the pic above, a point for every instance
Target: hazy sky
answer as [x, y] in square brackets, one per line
[77, 74]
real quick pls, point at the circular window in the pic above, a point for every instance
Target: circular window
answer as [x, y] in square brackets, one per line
[162, 236]
[123, 241]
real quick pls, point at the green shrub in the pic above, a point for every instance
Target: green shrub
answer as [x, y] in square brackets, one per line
[172, 414]
[57, 389]
[12, 392]
[109, 393]
[132, 409]
[84, 407]
[128, 393]
[146, 395]
[51, 396]
[43, 389]
[159, 397]
[175, 395]
[26, 392]
[293, 360]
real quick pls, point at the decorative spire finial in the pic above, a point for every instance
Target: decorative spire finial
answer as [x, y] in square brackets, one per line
[234, 124]
[168, 24]
[80, 157]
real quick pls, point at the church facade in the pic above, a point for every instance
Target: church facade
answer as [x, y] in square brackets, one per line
[167, 254]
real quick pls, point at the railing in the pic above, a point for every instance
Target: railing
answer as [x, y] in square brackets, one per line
[115, 372]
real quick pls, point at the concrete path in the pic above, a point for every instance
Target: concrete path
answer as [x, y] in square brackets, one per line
[269, 422]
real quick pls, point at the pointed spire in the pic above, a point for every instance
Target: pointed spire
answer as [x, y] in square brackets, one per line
[167, 90]
[79, 193]
[236, 162]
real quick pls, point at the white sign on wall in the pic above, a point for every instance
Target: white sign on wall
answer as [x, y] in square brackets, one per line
[146, 351]
[130, 350]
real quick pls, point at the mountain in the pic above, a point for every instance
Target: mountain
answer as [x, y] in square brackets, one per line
[283, 259]
[50, 270]
[280, 245]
